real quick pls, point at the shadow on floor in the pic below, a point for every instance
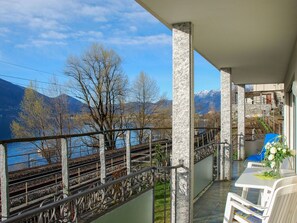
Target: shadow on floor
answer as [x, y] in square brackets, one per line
[210, 207]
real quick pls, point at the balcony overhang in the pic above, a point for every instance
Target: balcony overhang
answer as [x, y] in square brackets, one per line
[255, 38]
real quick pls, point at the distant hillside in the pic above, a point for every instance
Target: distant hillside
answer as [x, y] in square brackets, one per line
[204, 102]
[12, 95]
[10, 99]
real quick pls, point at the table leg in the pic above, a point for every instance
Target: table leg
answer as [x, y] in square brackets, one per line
[245, 191]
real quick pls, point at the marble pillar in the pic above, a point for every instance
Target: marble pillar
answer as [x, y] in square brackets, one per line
[182, 123]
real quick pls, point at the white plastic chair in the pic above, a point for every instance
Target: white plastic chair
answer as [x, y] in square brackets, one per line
[266, 194]
[282, 207]
[277, 184]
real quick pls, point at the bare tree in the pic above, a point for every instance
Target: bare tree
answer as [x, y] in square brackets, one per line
[101, 84]
[39, 118]
[145, 93]
[33, 121]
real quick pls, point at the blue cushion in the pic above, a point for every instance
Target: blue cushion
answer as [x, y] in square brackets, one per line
[248, 217]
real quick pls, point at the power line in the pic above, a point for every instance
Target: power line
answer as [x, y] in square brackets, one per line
[29, 68]
[26, 86]
[25, 79]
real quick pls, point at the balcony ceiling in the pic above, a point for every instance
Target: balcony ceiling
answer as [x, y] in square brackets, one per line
[253, 37]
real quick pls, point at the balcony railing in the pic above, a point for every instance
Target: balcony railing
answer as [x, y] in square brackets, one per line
[92, 168]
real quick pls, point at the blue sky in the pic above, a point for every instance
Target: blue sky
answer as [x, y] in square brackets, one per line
[40, 35]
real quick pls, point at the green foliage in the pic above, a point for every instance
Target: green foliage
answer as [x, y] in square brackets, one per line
[160, 157]
[265, 126]
[160, 189]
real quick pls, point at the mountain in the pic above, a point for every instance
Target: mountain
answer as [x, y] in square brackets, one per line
[10, 99]
[207, 100]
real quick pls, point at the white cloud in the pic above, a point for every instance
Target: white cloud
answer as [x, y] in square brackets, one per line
[98, 13]
[55, 22]
[41, 43]
[53, 35]
[4, 31]
[91, 34]
[137, 16]
[161, 39]
[132, 28]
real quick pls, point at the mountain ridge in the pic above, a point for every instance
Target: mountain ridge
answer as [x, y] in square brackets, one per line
[10, 101]
[12, 96]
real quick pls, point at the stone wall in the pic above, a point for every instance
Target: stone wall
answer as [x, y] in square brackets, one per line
[252, 110]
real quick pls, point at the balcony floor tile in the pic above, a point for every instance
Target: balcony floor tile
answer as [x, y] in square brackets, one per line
[210, 207]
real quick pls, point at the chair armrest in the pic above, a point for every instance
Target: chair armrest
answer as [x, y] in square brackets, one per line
[238, 199]
[246, 210]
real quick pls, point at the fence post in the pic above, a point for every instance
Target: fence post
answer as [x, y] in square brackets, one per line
[222, 153]
[128, 152]
[4, 182]
[65, 168]
[102, 158]
[253, 134]
[207, 137]
[241, 146]
[218, 161]
[150, 147]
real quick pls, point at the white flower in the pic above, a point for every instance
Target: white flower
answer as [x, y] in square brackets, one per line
[271, 157]
[284, 150]
[272, 164]
[273, 150]
[268, 145]
[279, 148]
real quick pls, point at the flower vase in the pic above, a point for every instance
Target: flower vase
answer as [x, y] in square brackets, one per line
[276, 169]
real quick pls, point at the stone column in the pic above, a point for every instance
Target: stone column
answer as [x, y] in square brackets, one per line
[226, 124]
[4, 182]
[182, 123]
[241, 120]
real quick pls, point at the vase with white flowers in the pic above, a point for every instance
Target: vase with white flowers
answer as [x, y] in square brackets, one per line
[275, 154]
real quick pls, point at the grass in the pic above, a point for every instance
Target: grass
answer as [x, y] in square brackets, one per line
[160, 202]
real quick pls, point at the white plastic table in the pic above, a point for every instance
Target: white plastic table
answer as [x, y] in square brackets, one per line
[248, 180]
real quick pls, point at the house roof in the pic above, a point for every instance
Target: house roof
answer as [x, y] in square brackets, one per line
[253, 37]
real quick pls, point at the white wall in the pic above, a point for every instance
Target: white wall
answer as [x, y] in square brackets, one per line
[268, 87]
[290, 118]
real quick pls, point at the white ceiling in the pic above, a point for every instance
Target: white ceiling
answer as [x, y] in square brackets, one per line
[253, 37]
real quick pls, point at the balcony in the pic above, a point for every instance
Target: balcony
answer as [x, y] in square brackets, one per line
[99, 193]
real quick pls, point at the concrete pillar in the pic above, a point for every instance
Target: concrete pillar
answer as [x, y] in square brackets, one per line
[4, 182]
[182, 123]
[128, 152]
[241, 120]
[226, 124]
[102, 159]
[65, 168]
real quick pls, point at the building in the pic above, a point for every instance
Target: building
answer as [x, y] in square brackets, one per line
[250, 42]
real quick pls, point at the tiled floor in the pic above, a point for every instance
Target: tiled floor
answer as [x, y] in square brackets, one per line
[210, 207]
